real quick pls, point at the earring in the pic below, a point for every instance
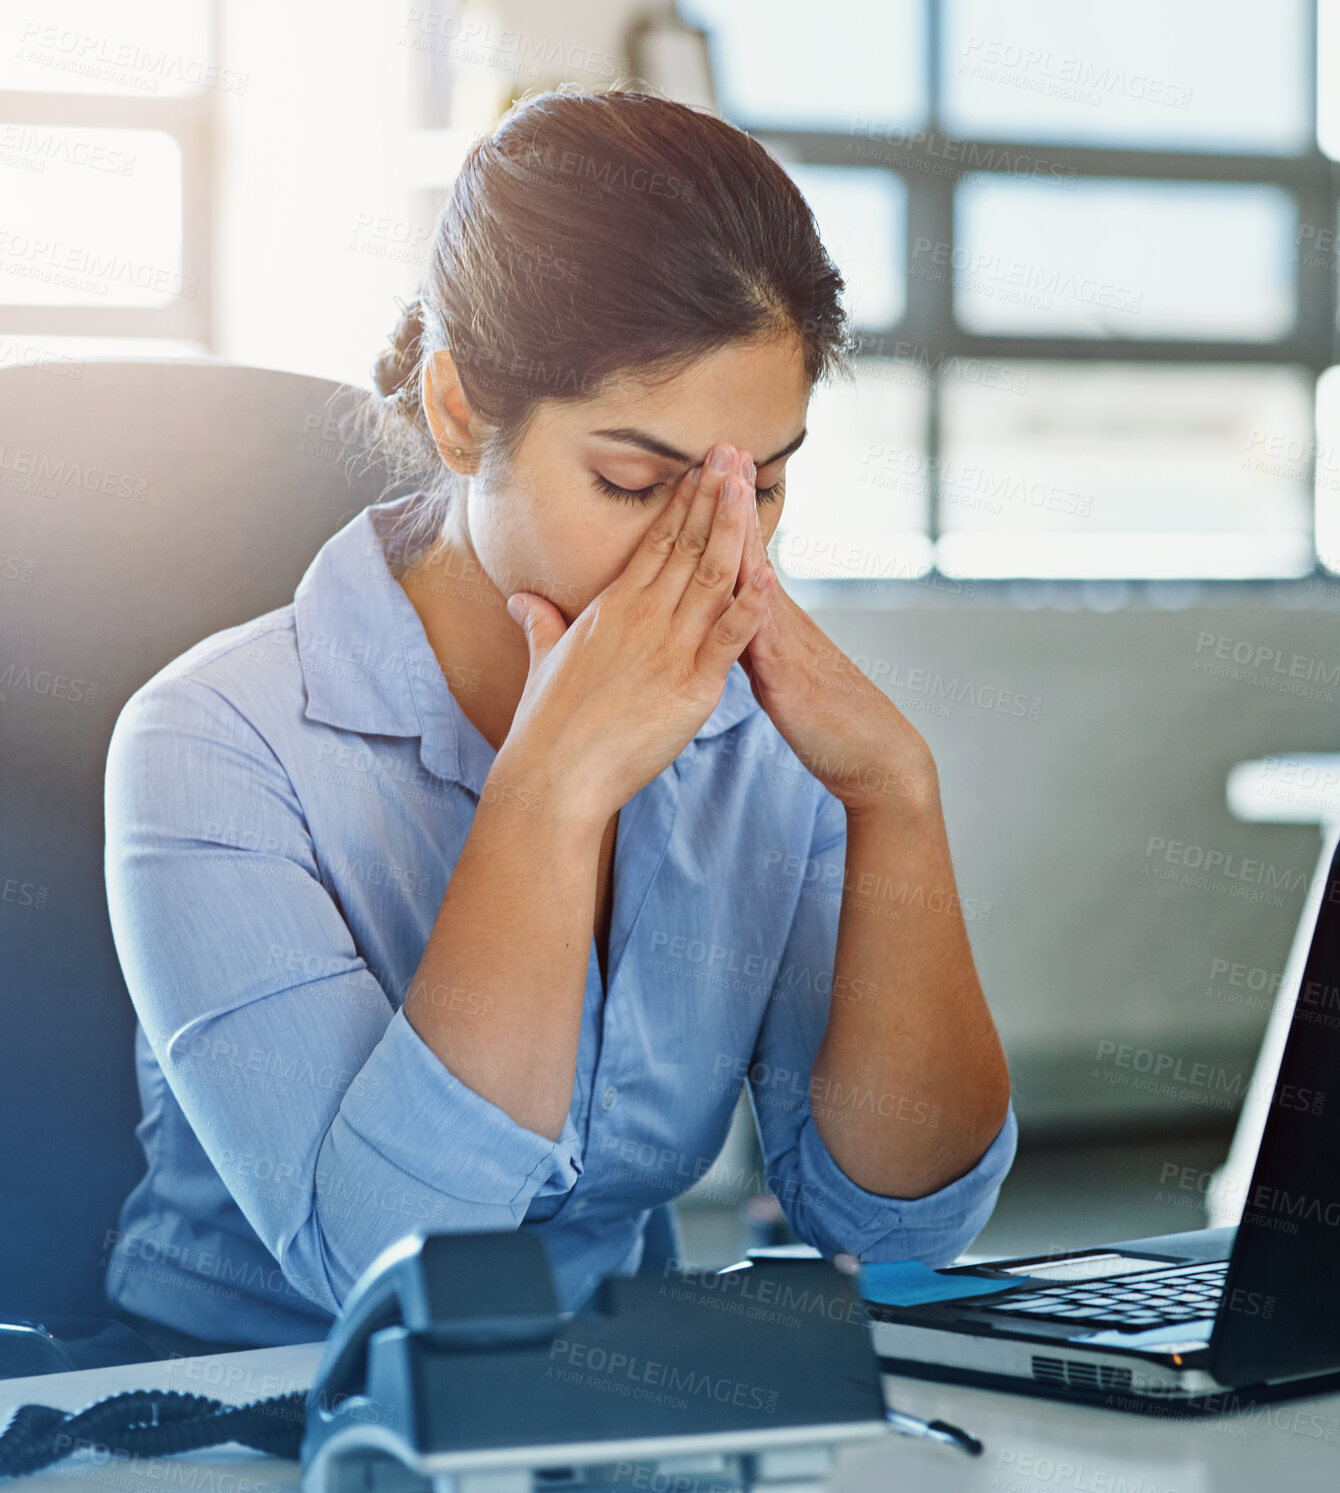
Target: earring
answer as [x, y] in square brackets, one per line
[458, 450]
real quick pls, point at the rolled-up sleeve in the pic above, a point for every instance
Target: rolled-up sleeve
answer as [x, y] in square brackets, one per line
[347, 1131]
[823, 1205]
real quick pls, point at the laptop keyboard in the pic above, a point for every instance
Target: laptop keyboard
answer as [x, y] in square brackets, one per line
[1153, 1298]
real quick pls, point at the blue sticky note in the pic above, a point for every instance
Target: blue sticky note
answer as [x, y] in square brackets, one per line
[910, 1283]
[1151, 1337]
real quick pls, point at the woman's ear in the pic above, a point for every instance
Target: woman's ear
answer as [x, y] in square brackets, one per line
[447, 410]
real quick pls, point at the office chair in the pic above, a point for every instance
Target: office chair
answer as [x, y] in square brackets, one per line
[144, 506]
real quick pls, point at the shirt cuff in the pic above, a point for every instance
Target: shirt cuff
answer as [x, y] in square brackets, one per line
[935, 1228]
[469, 1148]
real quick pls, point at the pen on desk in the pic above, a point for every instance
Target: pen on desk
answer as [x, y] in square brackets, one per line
[913, 1425]
[933, 1430]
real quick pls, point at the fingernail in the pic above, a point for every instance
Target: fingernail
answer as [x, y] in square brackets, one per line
[720, 459]
[695, 474]
[750, 469]
[733, 491]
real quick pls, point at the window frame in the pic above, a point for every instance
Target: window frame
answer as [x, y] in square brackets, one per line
[931, 162]
[191, 119]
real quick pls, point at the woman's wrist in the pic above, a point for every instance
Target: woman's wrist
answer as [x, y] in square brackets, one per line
[534, 785]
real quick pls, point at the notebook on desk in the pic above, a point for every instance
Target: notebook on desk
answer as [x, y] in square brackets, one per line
[1203, 1320]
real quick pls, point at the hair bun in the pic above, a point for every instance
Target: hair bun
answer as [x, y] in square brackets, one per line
[395, 367]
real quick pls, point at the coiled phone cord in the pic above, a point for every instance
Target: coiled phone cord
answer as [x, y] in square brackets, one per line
[150, 1422]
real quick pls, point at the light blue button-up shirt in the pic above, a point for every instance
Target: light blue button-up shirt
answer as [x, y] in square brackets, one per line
[285, 804]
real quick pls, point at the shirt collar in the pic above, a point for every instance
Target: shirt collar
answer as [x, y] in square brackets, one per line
[368, 666]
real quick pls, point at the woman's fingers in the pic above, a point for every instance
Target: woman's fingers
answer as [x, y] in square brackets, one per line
[753, 555]
[695, 537]
[710, 584]
[658, 543]
[731, 633]
[699, 556]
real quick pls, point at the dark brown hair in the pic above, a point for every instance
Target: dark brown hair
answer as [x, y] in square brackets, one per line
[590, 234]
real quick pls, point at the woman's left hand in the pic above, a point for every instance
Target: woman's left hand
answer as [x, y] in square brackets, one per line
[844, 729]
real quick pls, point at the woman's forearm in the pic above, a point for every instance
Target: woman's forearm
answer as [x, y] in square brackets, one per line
[498, 993]
[910, 1085]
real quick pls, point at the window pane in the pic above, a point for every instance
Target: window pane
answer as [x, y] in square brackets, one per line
[1327, 467]
[778, 62]
[111, 46]
[1328, 77]
[1195, 75]
[862, 217]
[856, 490]
[1120, 259]
[1116, 470]
[99, 225]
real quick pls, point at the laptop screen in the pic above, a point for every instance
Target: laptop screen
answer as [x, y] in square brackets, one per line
[1280, 1312]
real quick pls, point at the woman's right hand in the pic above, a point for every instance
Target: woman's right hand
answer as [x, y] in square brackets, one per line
[612, 700]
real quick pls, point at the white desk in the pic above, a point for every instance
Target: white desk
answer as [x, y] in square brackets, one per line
[1031, 1445]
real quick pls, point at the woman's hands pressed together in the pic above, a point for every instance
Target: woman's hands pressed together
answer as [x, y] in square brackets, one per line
[698, 593]
[612, 701]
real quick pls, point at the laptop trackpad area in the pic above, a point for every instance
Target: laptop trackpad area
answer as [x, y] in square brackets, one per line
[1100, 1265]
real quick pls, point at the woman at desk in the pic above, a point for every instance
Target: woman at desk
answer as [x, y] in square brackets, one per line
[467, 891]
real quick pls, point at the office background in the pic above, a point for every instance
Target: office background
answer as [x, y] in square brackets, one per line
[1077, 511]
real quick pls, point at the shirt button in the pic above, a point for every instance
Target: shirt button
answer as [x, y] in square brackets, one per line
[609, 1096]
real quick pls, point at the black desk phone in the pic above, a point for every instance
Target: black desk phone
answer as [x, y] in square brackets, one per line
[451, 1367]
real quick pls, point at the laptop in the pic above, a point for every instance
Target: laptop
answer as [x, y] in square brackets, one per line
[1201, 1320]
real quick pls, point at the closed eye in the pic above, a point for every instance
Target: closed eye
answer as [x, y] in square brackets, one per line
[646, 494]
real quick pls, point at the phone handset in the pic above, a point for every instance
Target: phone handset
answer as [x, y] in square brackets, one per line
[461, 1291]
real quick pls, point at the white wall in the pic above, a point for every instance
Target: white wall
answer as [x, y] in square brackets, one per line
[326, 160]
[313, 148]
[1050, 822]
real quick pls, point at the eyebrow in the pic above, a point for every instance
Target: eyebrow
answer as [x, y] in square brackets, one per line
[631, 437]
